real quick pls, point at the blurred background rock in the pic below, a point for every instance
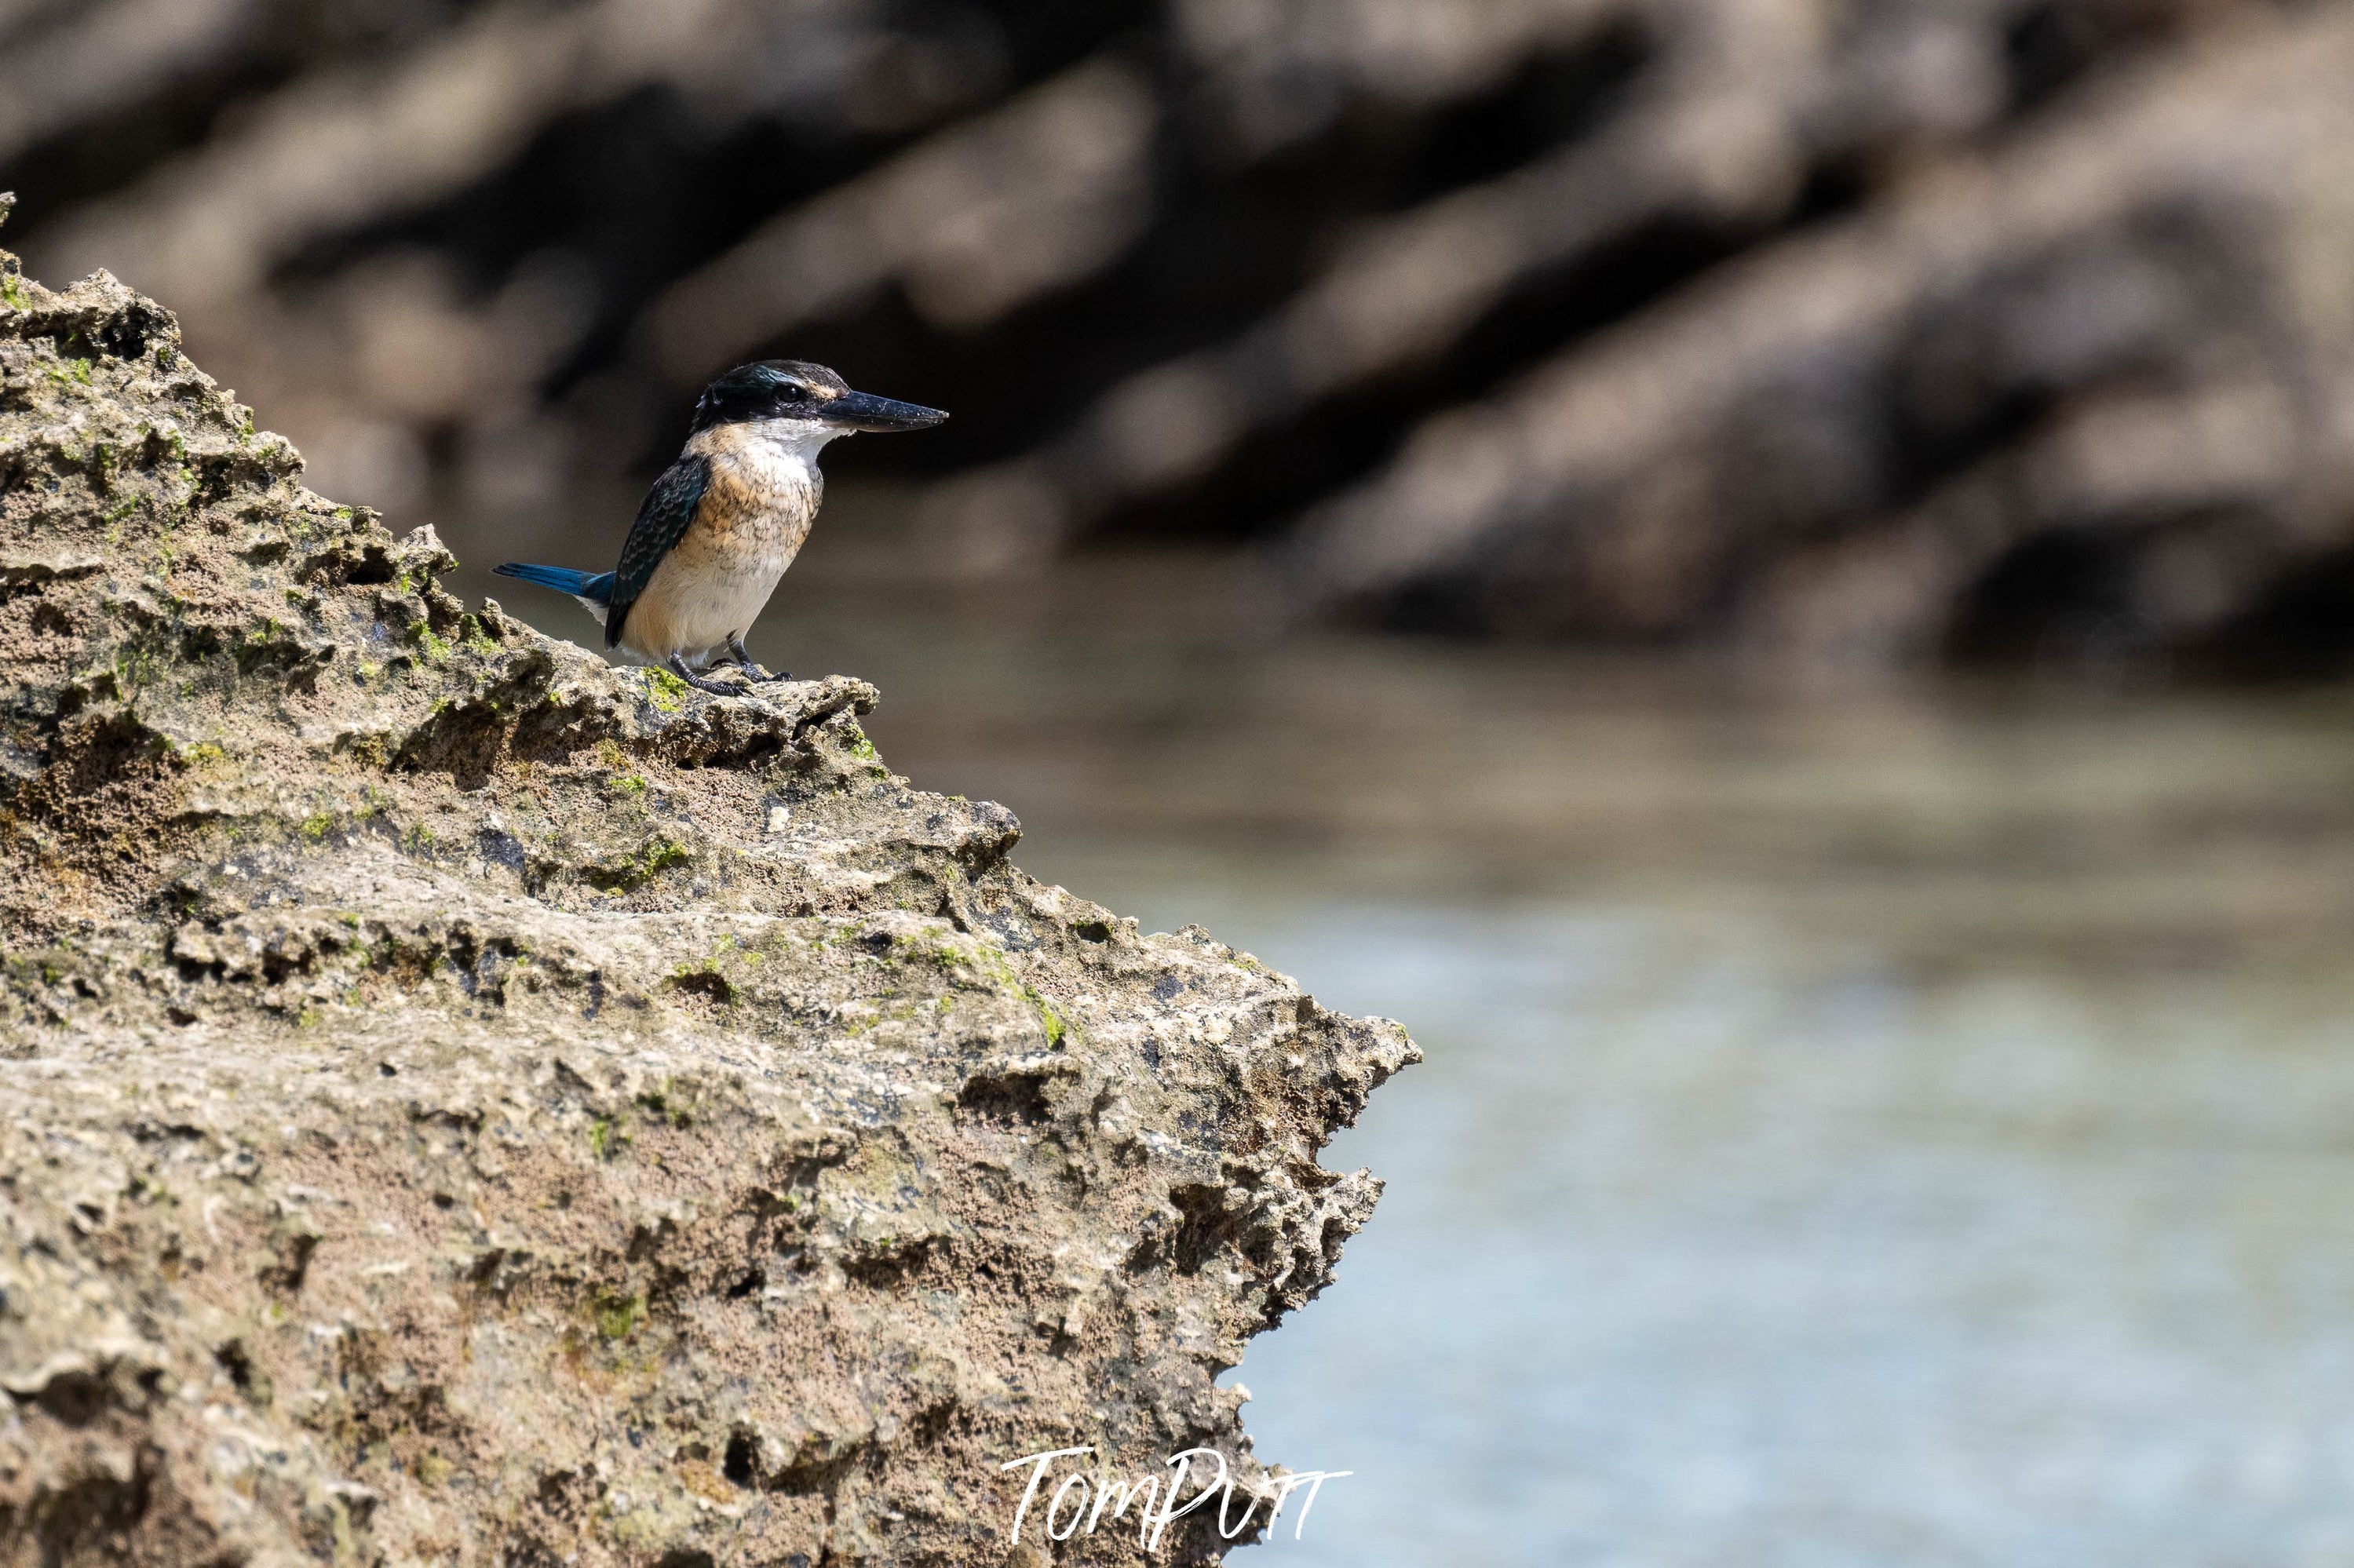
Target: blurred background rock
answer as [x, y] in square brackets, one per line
[1852, 331]
[1890, 1037]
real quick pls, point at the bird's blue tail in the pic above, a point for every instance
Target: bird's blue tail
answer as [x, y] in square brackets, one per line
[591, 588]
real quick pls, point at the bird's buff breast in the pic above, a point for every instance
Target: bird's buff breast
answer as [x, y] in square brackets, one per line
[753, 519]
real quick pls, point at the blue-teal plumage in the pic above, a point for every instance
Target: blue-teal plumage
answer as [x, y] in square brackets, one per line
[589, 587]
[718, 529]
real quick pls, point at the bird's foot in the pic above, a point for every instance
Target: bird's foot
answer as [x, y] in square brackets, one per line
[741, 657]
[677, 665]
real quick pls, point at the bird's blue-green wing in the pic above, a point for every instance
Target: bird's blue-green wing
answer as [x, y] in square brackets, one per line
[663, 518]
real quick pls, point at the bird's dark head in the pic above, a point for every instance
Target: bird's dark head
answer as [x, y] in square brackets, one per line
[808, 395]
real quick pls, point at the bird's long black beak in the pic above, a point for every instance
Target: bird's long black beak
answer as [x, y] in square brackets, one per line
[865, 411]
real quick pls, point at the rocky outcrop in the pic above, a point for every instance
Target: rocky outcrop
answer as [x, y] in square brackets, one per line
[2081, 400]
[460, 1102]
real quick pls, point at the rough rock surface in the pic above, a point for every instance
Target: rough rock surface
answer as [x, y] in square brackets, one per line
[460, 1102]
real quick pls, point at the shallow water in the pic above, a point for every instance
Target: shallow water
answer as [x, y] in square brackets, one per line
[1703, 1247]
[1910, 1126]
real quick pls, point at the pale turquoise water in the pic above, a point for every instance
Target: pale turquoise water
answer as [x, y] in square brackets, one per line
[1905, 1127]
[1702, 1250]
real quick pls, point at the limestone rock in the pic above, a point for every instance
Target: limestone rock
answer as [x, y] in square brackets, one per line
[462, 1102]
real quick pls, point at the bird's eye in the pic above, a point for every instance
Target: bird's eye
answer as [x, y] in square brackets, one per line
[789, 393]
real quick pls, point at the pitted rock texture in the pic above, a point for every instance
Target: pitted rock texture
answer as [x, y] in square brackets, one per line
[463, 1103]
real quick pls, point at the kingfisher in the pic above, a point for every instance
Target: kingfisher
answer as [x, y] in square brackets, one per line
[720, 528]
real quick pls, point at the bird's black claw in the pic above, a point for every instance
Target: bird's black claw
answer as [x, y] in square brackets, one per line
[741, 657]
[677, 666]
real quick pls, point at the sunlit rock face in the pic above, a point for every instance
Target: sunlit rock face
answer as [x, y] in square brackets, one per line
[463, 1102]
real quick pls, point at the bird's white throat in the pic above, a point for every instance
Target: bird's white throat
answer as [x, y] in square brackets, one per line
[775, 454]
[795, 441]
